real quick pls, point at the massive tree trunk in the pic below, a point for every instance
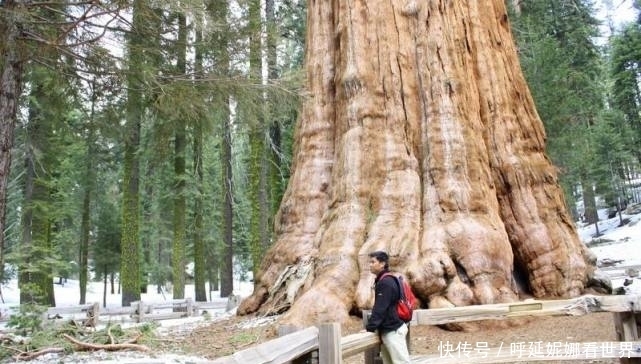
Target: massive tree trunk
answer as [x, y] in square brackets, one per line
[130, 230]
[418, 136]
[11, 67]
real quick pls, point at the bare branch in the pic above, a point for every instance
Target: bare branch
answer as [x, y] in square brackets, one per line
[30, 355]
[107, 347]
[94, 39]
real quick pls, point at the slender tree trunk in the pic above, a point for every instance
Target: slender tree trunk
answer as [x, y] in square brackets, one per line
[226, 266]
[178, 248]
[214, 281]
[275, 148]
[85, 224]
[84, 245]
[224, 263]
[26, 276]
[200, 277]
[104, 288]
[258, 233]
[199, 243]
[418, 136]
[36, 280]
[589, 204]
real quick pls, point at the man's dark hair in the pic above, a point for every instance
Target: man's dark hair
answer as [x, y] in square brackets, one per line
[381, 256]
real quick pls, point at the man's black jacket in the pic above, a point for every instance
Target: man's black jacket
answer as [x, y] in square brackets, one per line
[384, 317]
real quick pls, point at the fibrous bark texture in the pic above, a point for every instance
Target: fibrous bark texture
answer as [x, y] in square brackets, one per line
[419, 137]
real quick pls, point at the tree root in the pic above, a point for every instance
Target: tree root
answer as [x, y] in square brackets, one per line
[129, 344]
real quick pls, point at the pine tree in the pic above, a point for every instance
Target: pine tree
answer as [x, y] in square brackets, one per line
[563, 68]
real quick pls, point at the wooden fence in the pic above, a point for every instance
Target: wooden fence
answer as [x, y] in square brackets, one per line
[325, 344]
[139, 311]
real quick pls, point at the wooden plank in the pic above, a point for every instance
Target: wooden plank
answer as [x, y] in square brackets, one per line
[357, 343]
[621, 267]
[166, 305]
[512, 353]
[303, 359]
[141, 311]
[371, 354]
[329, 344]
[279, 350]
[164, 316]
[93, 315]
[626, 327]
[117, 311]
[210, 305]
[569, 307]
[52, 311]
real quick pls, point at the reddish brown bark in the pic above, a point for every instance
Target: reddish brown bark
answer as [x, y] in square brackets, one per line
[418, 136]
[11, 65]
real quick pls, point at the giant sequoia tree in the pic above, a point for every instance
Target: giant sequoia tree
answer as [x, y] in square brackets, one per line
[418, 136]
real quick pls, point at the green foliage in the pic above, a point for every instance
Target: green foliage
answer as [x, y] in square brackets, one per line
[87, 106]
[626, 72]
[566, 74]
[243, 338]
[27, 318]
[51, 335]
[106, 248]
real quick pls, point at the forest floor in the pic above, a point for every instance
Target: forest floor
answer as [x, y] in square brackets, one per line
[221, 338]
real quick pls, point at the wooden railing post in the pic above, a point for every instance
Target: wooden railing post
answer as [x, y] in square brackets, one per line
[190, 306]
[141, 311]
[94, 314]
[626, 325]
[372, 355]
[329, 344]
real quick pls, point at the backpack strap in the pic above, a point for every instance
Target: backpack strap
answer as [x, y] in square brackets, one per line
[398, 280]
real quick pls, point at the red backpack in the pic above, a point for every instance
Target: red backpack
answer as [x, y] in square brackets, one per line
[408, 302]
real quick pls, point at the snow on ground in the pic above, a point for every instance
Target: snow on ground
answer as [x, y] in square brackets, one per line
[618, 249]
[616, 244]
[68, 295]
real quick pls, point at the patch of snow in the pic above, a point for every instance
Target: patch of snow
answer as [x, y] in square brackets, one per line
[620, 246]
[68, 295]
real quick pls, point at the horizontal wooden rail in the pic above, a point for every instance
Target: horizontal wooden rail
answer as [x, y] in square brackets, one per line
[52, 311]
[280, 350]
[332, 348]
[569, 307]
[512, 354]
[357, 343]
[138, 311]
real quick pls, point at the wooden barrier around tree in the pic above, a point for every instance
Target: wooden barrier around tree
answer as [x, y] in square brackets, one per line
[326, 345]
[92, 314]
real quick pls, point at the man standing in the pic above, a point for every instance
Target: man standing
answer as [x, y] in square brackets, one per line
[384, 317]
